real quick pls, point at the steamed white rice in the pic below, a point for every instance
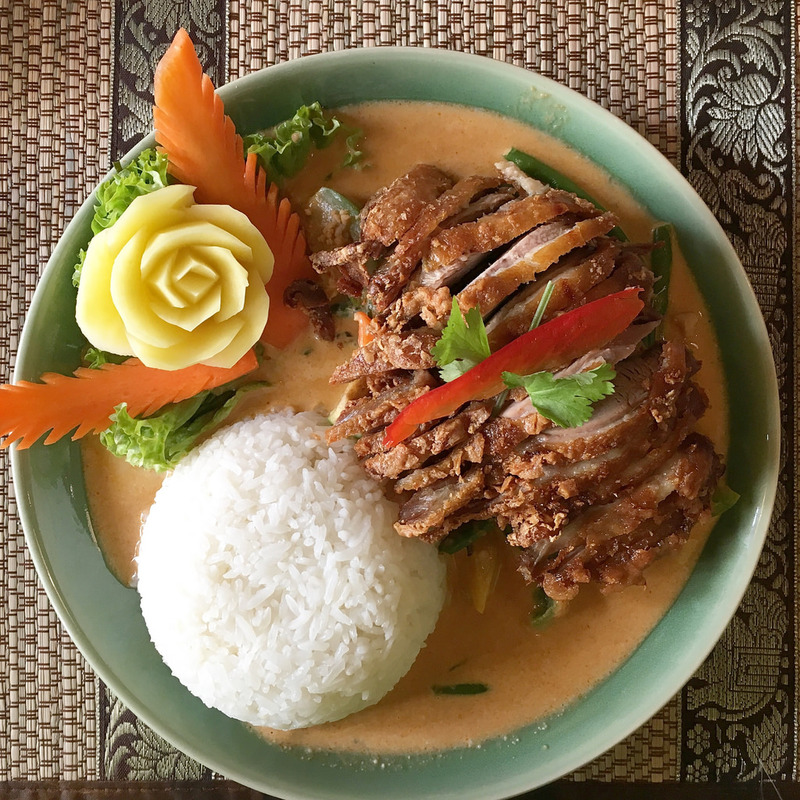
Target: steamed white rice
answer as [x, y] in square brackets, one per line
[272, 581]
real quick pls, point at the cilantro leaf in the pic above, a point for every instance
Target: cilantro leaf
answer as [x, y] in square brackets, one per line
[463, 343]
[565, 401]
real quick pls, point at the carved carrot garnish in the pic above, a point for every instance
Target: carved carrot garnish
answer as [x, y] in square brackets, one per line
[84, 401]
[204, 150]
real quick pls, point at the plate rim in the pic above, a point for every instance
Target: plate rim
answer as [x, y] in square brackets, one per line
[243, 86]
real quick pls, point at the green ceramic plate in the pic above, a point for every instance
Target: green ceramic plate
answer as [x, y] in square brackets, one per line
[104, 620]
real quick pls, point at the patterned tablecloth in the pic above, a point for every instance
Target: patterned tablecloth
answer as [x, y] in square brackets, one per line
[712, 84]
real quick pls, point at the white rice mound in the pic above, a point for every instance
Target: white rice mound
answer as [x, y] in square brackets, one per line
[272, 581]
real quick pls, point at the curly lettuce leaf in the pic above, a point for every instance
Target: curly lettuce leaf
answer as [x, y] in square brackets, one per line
[283, 151]
[160, 441]
[94, 358]
[146, 173]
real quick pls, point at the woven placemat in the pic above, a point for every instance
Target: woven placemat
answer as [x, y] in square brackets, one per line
[708, 83]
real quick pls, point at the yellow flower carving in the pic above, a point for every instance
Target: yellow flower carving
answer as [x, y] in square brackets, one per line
[176, 283]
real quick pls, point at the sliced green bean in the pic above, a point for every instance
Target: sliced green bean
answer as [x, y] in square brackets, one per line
[465, 535]
[543, 607]
[661, 264]
[461, 688]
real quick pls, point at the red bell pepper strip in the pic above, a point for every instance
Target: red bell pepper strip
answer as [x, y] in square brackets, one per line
[552, 345]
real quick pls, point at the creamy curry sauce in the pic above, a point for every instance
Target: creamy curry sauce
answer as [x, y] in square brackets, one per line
[530, 672]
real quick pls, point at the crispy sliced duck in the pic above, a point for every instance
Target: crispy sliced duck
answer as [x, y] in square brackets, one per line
[486, 204]
[410, 350]
[431, 513]
[636, 526]
[647, 387]
[538, 509]
[432, 306]
[351, 262]
[571, 277]
[413, 453]
[453, 246]
[488, 444]
[514, 175]
[394, 209]
[630, 271]
[390, 279]
[595, 502]
[373, 412]
[535, 253]
[617, 350]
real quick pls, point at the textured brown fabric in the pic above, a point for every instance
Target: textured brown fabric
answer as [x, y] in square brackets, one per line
[74, 94]
[55, 85]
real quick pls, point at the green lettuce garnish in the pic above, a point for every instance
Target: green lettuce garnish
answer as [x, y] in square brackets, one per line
[146, 173]
[94, 358]
[160, 441]
[283, 151]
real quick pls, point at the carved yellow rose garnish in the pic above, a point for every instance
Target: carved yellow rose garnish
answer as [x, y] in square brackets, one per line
[176, 283]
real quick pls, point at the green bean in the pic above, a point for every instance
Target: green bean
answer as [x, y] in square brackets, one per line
[461, 688]
[465, 535]
[661, 264]
[543, 607]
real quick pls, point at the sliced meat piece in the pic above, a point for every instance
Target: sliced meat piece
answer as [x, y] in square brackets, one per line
[453, 246]
[535, 253]
[413, 453]
[409, 350]
[311, 299]
[367, 414]
[667, 504]
[630, 271]
[351, 261]
[617, 350]
[646, 386]
[490, 444]
[483, 205]
[573, 276]
[445, 274]
[562, 491]
[388, 281]
[433, 306]
[430, 513]
[448, 274]
[471, 452]
[395, 208]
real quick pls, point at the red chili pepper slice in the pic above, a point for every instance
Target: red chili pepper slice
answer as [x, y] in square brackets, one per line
[553, 344]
